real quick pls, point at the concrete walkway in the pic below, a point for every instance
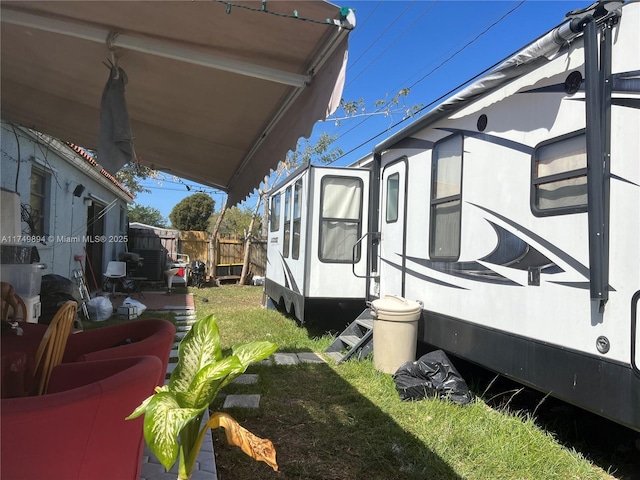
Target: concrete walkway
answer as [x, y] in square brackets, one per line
[205, 468]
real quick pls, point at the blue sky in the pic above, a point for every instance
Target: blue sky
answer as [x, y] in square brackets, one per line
[430, 47]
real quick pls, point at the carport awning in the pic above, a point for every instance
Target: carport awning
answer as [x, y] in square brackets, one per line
[217, 93]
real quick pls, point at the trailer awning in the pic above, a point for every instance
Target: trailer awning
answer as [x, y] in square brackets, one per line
[217, 92]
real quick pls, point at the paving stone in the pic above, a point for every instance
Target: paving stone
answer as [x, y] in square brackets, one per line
[180, 335]
[310, 357]
[174, 353]
[171, 367]
[206, 465]
[166, 476]
[185, 320]
[206, 449]
[183, 328]
[185, 323]
[247, 379]
[150, 470]
[266, 362]
[200, 475]
[160, 476]
[286, 358]
[242, 401]
[179, 310]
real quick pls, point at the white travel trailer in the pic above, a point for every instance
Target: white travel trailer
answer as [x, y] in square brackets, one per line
[511, 211]
[316, 217]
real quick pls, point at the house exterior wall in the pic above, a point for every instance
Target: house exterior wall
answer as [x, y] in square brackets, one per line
[64, 235]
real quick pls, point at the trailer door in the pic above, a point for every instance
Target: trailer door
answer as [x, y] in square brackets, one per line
[392, 228]
[635, 328]
[338, 223]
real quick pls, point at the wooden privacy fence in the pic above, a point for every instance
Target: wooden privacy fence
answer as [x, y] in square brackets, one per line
[224, 259]
[195, 244]
[230, 257]
[229, 250]
[154, 239]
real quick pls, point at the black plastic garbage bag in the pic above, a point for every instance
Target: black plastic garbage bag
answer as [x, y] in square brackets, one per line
[52, 283]
[431, 376]
[55, 291]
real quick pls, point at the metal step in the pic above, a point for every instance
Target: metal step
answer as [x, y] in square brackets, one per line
[366, 322]
[337, 356]
[356, 340]
[351, 340]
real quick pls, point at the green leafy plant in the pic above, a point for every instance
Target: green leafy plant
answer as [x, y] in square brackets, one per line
[173, 416]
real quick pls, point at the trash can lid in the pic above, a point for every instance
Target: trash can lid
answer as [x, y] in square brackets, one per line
[392, 306]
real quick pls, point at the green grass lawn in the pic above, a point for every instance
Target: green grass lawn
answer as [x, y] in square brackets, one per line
[346, 421]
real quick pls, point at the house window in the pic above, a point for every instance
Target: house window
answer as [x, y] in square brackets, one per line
[393, 183]
[274, 224]
[446, 199]
[38, 203]
[297, 218]
[341, 219]
[287, 223]
[559, 176]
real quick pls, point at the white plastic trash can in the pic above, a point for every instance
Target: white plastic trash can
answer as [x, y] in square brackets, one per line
[395, 332]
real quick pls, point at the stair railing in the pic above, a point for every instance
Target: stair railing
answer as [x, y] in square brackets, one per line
[372, 236]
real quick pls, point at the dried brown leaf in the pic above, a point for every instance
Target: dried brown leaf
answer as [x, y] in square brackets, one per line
[260, 449]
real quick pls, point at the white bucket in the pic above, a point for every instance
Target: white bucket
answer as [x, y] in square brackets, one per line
[395, 332]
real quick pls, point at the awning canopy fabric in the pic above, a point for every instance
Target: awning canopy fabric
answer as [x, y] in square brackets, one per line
[217, 92]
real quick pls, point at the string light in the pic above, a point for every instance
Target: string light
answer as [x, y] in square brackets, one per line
[344, 12]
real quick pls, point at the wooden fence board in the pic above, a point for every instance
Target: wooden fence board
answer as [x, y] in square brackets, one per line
[196, 245]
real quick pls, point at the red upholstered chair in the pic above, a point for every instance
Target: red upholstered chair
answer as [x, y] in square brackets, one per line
[78, 429]
[130, 339]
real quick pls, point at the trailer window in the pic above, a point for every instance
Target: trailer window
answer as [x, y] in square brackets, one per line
[341, 219]
[446, 199]
[559, 176]
[274, 223]
[297, 217]
[393, 183]
[287, 223]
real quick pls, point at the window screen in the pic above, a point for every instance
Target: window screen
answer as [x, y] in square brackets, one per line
[559, 180]
[341, 219]
[37, 202]
[446, 199]
[287, 223]
[274, 223]
[297, 218]
[393, 183]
